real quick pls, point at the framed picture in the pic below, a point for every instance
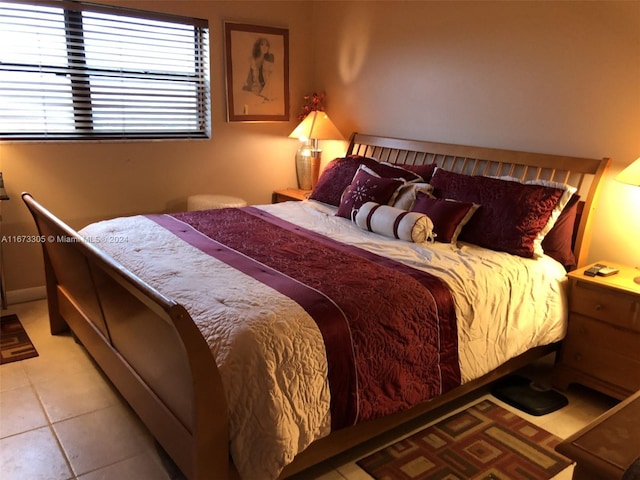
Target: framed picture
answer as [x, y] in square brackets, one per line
[257, 67]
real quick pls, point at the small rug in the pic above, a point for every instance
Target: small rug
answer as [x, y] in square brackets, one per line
[485, 441]
[15, 343]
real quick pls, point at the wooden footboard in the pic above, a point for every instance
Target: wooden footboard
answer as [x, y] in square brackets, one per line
[170, 378]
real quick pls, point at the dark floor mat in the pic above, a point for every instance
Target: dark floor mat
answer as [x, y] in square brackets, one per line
[523, 394]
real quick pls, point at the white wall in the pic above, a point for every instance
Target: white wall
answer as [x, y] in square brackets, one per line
[553, 77]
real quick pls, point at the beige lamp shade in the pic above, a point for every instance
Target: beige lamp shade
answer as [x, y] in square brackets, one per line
[631, 174]
[316, 126]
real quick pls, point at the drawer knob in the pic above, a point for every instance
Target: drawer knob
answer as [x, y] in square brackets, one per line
[598, 307]
[577, 357]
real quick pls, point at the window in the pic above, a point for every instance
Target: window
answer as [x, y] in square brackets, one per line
[70, 70]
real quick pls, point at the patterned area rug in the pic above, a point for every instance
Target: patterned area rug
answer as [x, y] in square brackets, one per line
[484, 442]
[16, 344]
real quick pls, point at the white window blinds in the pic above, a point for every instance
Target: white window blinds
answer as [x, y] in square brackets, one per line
[70, 70]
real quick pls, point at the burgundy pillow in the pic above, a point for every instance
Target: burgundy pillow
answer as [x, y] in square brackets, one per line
[558, 243]
[337, 176]
[364, 188]
[510, 216]
[425, 171]
[448, 216]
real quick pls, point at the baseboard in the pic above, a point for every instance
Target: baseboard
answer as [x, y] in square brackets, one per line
[26, 295]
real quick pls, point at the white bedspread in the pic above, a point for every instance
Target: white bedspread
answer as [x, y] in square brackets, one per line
[263, 341]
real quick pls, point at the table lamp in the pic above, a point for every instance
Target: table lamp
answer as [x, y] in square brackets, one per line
[315, 126]
[631, 176]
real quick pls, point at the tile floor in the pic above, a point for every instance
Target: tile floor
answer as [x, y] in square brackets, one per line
[60, 419]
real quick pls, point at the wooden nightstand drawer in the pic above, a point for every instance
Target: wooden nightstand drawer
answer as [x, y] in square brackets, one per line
[606, 352]
[597, 335]
[607, 305]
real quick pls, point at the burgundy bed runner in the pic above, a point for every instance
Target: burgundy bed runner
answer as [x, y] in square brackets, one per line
[389, 330]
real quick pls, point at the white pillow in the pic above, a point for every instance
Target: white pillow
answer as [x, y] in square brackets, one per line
[407, 194]
[395, 223]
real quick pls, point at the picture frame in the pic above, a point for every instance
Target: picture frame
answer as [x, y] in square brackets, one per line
[257, 73]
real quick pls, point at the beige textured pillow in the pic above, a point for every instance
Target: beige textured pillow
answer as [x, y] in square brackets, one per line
[407, 194]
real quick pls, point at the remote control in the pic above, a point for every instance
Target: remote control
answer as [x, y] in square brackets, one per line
[606, 271]
[593, 271]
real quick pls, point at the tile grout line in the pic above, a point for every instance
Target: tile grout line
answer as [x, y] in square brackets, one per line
[51, 427]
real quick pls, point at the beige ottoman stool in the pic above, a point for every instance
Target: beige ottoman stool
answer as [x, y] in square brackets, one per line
[206, 202]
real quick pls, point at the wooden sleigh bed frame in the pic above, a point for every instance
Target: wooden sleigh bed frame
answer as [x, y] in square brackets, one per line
[156, 357]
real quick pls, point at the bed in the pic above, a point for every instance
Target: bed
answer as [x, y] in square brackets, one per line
[181, 344]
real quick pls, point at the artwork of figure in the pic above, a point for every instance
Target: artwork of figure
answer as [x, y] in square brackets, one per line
[261, 63]
[257, 72]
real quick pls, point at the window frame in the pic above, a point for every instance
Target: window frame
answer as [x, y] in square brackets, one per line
[80, 91]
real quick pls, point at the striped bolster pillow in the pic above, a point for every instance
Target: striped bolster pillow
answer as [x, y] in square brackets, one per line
[395, 223]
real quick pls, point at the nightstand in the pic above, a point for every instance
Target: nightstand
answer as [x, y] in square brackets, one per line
[602, 347]
[288, 194]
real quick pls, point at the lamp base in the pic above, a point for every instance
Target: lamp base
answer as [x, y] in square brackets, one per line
[303, 173]
[307, 166]
[303, 166]
[315, 169]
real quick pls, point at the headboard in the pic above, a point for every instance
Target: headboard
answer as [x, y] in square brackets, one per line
[583, 173]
